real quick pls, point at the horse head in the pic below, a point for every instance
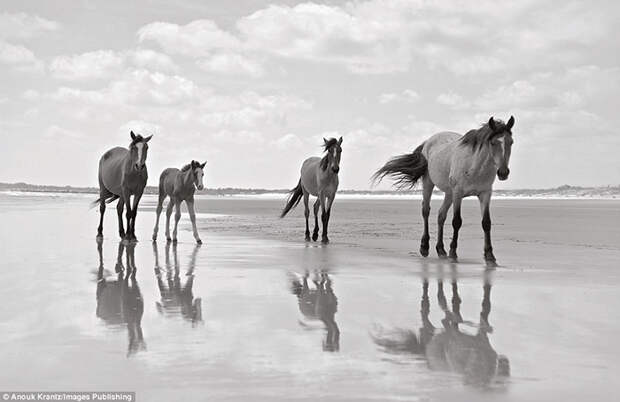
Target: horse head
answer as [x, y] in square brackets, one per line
[333, 147]
[198, 173]
[501, 144]
[138, 150]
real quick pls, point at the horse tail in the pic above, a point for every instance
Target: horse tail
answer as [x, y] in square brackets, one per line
[108, 199]
[404, 169]
[293, 199]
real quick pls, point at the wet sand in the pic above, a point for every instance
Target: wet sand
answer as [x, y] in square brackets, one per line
[232, 319]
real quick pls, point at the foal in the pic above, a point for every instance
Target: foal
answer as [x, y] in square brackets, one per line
[180, 186]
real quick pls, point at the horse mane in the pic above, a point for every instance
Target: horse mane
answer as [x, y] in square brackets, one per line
[477, 137]
[138, 138]
[186, 167]
[326, 147]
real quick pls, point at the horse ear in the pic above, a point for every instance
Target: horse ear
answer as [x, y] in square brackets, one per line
[147, 139]
[340, 141]
[203, 165]
[324, 141]
[511, 122]
[133, 136]
[492, 124]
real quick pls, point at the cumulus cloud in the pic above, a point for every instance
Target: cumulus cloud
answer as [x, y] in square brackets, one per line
[452, 99]
[19, 57]
[231, 64]
[134, 88]
[196, 39]
[407, 95]
[90, 65]
[22, 25]
[152, 60]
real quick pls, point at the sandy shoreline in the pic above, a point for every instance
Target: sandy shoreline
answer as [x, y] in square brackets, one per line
[550, 303]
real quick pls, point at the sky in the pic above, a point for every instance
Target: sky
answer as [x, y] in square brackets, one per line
[253, 86]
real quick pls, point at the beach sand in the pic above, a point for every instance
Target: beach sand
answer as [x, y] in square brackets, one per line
[237, 324]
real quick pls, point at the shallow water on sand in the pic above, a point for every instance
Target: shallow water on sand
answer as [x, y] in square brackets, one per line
[233, 318]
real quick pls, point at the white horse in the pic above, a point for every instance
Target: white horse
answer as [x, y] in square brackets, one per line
[319, 177]
[460, 166]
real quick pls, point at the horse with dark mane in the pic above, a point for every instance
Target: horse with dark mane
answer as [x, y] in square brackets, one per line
[319, 177]
[179, 185]
[460, 166]
[123, 173]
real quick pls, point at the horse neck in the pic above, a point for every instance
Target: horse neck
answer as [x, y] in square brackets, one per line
[483, 162]
[186, 179]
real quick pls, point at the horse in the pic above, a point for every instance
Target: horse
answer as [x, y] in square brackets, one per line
[123, 173]
[460, 166]
[179, 185]
[119, 300]
[321, 304]
[451, 349]
[319, 177]
[175, 297]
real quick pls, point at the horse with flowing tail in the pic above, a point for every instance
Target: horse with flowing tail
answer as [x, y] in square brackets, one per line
[460, 166]
[179, 185]
[319, 177]
[123, 173]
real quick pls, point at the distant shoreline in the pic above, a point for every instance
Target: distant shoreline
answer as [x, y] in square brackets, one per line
[561, 192]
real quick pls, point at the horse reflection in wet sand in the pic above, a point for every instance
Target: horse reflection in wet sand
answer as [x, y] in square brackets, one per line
[319, 303]
[175, 297]
[319, 177]
[179, 185]
[123, 173]
[119, 300]
[451, 349]
[460, 166]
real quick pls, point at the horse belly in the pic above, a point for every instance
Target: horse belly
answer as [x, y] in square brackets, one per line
[438, 153]
[111, 170]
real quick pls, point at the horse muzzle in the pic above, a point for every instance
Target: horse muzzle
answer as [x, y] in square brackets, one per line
[139, 167]
[503, 173]
[335, 169]
[200, 187]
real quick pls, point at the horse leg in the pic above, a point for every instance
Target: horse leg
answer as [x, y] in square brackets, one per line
[128, 216]
[441, 219]
[485, 201]
[177, 217]
[160, 203]
[192, 217]
[101, 213]
[168, 213]
[426, 210]
[306, 214]
[315, 232]
[119, 212]
[134, 213]
[456, 225]
[325, 212]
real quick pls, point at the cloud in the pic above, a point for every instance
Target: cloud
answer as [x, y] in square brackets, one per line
[453, 100]
[288, 142]
[152, 60]
[136, 87]
[86, 66]
[22, 25]
[232, 64]
[19, 57]
[408, 95]
[195, 39]
[56, 132]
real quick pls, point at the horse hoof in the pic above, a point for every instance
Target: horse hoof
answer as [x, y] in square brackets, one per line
[424, 251]
[315, 236]
[491, 263]
[324, 240]
[174, 241]
[168, 239]
[452, 256]
[307, 238]
[198, 241]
